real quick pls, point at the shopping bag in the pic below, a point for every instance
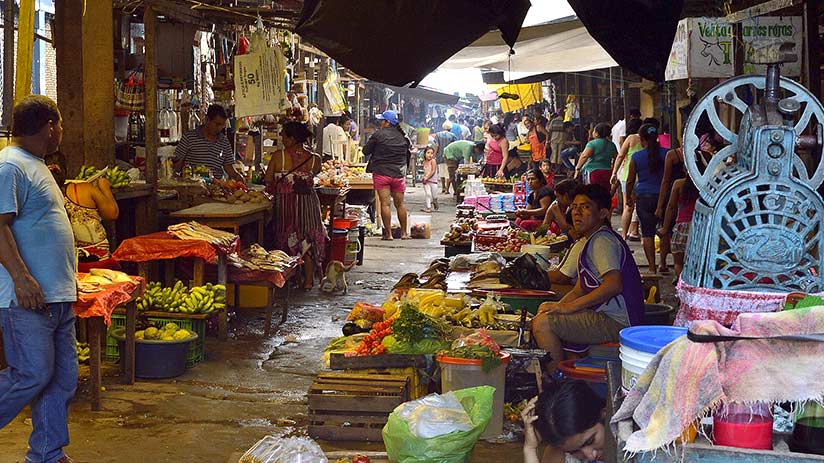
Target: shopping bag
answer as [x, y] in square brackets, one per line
[130, 95]
[403, 446]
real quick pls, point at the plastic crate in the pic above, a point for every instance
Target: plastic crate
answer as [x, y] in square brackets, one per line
[196, 349]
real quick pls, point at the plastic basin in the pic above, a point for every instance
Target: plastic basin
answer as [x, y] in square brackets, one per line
[597, 381]
[658, 314]
[156, 359]
[460, 373]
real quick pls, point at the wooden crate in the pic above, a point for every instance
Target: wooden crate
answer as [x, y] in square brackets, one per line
[350, 407]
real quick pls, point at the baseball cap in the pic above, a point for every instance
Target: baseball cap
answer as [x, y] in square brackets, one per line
[388, 116]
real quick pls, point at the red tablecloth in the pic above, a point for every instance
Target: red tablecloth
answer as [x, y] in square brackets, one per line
[242, 275]
[103, 302]
[164, 245]
[723, 306]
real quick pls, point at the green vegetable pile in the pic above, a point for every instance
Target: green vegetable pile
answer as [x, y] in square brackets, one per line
[413, 326]
[489, 360]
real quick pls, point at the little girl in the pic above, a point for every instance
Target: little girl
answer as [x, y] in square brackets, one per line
[681, 208]
[430, 179]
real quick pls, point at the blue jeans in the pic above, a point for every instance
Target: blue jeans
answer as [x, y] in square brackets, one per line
[41, 353]
[569, 156]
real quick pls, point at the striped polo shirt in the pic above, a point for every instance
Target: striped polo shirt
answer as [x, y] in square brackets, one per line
[196, 150]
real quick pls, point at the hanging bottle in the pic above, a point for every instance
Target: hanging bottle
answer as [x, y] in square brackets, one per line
[134, 127]
[194, 119]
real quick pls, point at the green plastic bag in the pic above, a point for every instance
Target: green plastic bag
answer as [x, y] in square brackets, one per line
[404, 447]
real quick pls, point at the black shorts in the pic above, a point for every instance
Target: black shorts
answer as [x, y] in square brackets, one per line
[645, 206]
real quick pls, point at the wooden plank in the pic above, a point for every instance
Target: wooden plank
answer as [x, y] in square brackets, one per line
[150, 79]
[357, 404]
[338, 361]
[356, 389]
[764, 8]
[329, 418]
[359, 378]
[221, 210]
[338, 433]
[708, 453]
[174, 315]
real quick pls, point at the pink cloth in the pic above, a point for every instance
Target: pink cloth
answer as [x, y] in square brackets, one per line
[686, 379]
[722, 305]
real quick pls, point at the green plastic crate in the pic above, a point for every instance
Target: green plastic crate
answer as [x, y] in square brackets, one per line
[197, 348]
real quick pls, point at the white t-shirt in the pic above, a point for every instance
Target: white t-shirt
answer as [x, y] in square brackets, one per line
[569, 266]
[605, 254]
[619, 130]
[334, 140]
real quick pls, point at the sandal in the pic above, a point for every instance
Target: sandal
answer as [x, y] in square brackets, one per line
[423, 209]
[406, 237]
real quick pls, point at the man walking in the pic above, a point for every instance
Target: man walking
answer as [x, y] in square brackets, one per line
[37, 283]
[442, 140]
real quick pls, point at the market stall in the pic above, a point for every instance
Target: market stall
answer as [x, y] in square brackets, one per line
[100, 293]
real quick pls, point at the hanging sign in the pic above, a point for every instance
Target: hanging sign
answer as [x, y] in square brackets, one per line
[784, 28]
[702, 48]
[259, 80]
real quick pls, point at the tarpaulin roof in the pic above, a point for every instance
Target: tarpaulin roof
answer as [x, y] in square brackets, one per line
[426, 94]
[401, 41]
[637, 33]
[559, 46]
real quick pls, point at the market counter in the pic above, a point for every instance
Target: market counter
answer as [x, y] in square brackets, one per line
[227, 216]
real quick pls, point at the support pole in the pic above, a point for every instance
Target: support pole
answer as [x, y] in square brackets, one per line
[25, 50]
[150, 79]
[8, 61]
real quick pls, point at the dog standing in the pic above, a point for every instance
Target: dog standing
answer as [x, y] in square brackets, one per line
[335, 279]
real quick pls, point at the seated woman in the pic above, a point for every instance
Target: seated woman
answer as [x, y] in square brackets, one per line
[537, 203]
[608, 295]
[296, 227]
[557, 216]
[569, 417]
[88, 205]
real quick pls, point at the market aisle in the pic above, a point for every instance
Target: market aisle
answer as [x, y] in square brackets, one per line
[247, 388]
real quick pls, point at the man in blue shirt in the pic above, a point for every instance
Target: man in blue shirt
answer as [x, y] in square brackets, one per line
[37, 283]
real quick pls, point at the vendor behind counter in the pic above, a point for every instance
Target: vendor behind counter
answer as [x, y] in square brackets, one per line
[208, 146]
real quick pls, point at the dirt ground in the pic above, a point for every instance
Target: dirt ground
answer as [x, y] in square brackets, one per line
[247, 387]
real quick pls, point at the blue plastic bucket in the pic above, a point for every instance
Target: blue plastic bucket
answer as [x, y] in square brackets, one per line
[639, 344]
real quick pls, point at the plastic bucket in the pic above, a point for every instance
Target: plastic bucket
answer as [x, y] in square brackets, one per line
[460, 373]
[743, 426]
[597, 381]
[340, 239]
[345, 224]
[658, 314]
[353, 247]
[529, 299]
[157, 359]
[639, 344]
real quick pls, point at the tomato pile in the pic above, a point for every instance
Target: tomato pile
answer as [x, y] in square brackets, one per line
[371, 344]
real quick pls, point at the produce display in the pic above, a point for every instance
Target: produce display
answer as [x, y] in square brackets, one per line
[501, 180]
[178, 298]
[235, 192]
[510, 240]
[169, 332]
[197, 231]
[116, 177]
[83, 351]
[258, 258]
[201, 171]
[337, 174]
[478, 346]
[97, 277]
[433, 278]
[460, 230]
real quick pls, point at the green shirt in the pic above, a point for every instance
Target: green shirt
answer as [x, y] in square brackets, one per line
[603, 151]
[458, 150]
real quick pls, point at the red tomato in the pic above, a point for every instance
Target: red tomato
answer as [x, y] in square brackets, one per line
[360, 459]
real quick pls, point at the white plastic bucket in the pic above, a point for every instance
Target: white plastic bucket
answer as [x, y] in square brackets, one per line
[459, 373]
[542, 253]
[639, 345]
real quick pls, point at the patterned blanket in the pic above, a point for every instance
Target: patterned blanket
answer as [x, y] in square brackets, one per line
[686, 380]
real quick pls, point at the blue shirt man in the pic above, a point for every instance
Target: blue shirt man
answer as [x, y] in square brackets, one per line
[37, 283]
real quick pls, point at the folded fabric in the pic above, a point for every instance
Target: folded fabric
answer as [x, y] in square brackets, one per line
[686, 380]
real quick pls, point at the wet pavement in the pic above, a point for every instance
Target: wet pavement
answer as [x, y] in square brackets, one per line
[247, 387]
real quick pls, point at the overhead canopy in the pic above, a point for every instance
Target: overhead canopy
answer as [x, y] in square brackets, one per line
[558, 46]
[425, 94]
[637, 33]
[400, 41]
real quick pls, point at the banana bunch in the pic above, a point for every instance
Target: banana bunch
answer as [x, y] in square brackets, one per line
[205, 299]
[83, 351]
[87, 171]
[118, 178]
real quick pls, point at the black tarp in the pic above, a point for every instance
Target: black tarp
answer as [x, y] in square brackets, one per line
[426, 94]
[399, 42]
[638, 34]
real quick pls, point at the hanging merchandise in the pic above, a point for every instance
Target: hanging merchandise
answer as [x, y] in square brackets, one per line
[242, 45]
[259, 79]
[334, 95]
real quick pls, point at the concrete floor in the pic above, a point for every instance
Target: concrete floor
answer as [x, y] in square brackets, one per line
[247, 387]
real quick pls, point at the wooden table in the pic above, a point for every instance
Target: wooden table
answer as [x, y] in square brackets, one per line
[227, 216]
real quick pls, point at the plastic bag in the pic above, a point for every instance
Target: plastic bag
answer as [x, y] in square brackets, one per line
[478, 338]
[402, 446]
[364, 311]
[524, 272]
[272, 449]
[435, 415]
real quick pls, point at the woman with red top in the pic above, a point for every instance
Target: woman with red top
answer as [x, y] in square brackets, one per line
[537, 137]
[296, 220]
[680, 210]
[498, 155]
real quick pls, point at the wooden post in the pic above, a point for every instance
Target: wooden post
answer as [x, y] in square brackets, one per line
[84, 85]
[25, 49]
[150, 79]
[8, 62]
[128, 356]
[812, 62]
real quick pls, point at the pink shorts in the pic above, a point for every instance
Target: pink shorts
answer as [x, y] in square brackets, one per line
[395, 185]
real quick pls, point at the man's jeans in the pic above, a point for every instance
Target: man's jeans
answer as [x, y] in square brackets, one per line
[569, 156]
[41, 353]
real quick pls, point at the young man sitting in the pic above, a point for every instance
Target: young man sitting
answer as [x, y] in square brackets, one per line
[608, 295]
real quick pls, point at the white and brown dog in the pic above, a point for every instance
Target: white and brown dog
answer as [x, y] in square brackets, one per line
[335, 279]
